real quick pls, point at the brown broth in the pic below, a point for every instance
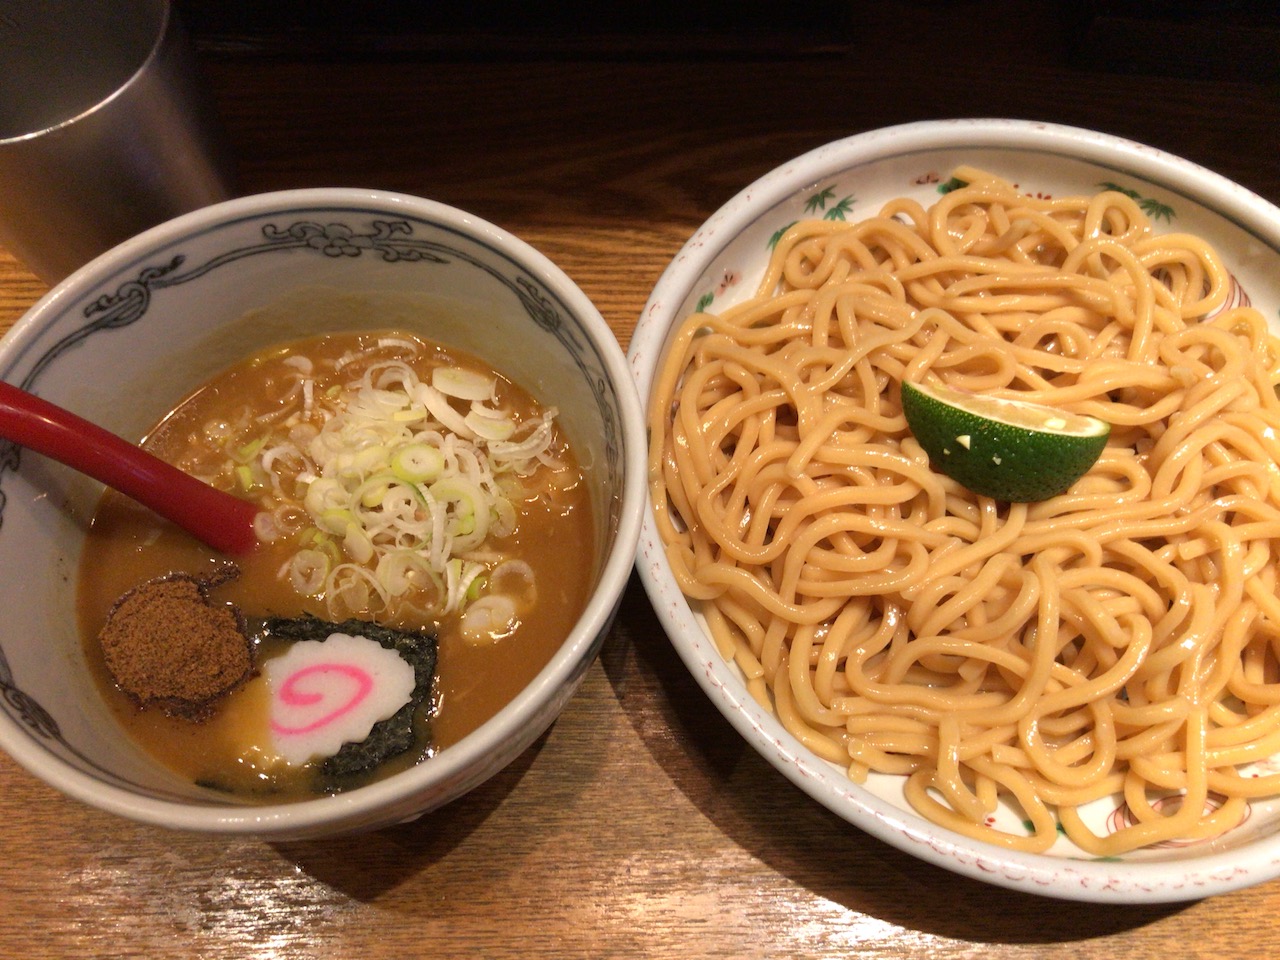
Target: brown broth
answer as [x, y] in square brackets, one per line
[127, 545]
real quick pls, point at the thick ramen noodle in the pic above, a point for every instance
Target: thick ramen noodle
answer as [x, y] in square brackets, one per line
[1118, 640]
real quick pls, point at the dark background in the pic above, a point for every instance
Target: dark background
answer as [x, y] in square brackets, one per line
[1225, 39]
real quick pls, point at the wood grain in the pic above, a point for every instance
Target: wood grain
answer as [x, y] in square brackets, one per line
[640, 825]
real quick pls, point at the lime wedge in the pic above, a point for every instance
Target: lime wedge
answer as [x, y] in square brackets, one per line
[1004, 449]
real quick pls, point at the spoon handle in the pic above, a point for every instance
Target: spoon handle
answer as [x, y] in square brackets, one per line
[223, 521]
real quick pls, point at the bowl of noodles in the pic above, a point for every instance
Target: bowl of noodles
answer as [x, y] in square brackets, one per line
[442, 451]
[1076, 696]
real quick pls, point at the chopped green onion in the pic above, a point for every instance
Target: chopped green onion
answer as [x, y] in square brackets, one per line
[463, 384]
[403, 476]
[335, 521]
[248, 451]
[418, 463]
[357, 543]
[488, 427]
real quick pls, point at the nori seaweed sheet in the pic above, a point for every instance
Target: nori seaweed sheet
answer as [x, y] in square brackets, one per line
[390, 737]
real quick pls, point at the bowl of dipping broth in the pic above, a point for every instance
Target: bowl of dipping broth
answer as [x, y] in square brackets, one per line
[446, 451]
[1065, 685]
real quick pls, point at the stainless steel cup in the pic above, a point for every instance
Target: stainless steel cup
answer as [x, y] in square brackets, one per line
[105, 128]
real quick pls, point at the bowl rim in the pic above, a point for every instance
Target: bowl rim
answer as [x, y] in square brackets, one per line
[464, 761]
[1063, 878]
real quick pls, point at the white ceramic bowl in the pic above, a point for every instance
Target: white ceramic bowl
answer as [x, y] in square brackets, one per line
[124, 338]
[850, 179]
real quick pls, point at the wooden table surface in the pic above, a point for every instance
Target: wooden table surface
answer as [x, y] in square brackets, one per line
[640, 825]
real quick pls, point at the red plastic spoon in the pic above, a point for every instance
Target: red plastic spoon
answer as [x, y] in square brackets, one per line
[222, 521]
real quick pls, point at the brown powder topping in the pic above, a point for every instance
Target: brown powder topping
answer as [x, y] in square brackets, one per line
[167, 644]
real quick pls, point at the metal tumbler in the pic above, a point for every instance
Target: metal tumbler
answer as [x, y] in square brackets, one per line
[106, 128]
